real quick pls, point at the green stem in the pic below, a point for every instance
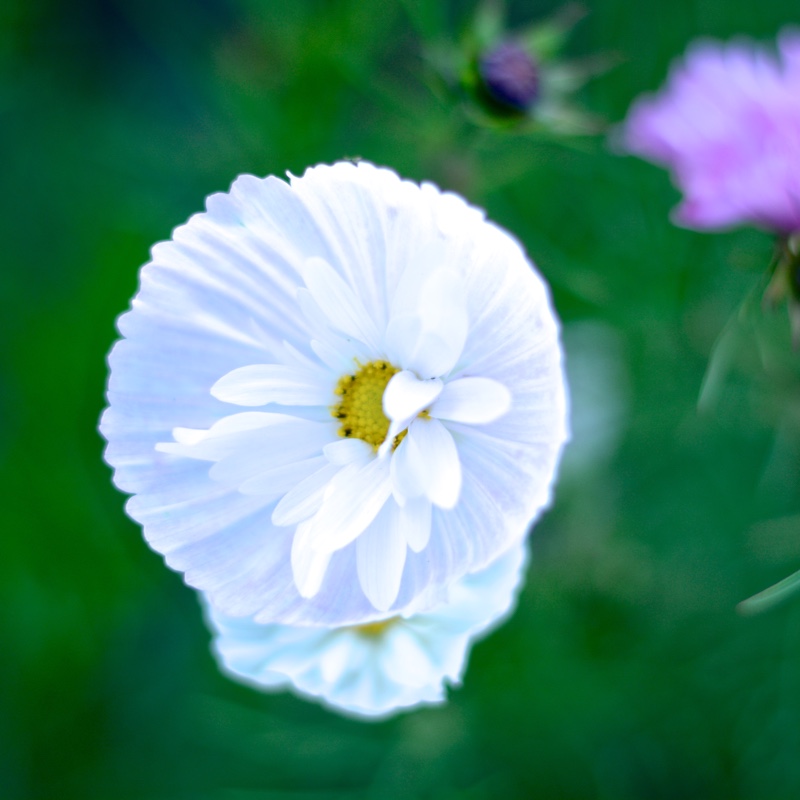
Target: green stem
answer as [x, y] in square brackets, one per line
[771, 596]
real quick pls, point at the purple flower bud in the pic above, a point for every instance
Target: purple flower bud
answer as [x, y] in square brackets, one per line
[510, 76]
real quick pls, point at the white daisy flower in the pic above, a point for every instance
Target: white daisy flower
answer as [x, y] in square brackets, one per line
[402, 363]
[380, 667]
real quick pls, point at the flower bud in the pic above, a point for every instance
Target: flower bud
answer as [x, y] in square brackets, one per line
[510, 76]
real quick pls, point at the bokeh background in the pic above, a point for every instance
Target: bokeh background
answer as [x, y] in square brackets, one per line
[626, 671]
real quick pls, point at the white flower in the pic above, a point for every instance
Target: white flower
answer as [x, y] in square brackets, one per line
[404, 362]
[378, 668]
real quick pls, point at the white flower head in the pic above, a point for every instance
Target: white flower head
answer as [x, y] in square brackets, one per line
[335, 396]
[379, 668]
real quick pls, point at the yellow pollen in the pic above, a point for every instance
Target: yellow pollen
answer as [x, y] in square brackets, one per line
[374, 629]
[360, 409]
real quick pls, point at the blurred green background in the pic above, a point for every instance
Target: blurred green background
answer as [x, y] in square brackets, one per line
[626, 672]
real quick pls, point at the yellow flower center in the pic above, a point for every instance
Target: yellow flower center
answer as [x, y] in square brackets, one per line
[374, 629]
[360, 410]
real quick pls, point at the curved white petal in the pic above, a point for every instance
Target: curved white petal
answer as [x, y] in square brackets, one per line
[354, 498]
[436, 461]
[347, 451]
[353, 207]
[334, 659]
[401, 338]
[405, 657]
[223, 437]
[339, 303]
[381, 556]
[414, 520]
[271, 448]
[475, 401]
[434, 354]
[308, 565]
[443, 309]
[260, 384]
[428, 335]
[339, 356]
[305, 498]
[405, 396]
[276, 481]
[313, 314]
[407, 471]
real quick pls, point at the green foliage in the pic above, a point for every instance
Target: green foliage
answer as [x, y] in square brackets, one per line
[626, 672]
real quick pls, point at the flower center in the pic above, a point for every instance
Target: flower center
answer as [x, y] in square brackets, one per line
[360, 409]
[374, 629]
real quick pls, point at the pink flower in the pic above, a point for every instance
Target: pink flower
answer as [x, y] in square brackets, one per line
[727, 125]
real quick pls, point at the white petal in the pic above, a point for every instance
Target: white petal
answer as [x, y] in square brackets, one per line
[191, 508]
[339, 303]
[223, 438]
[271, 448]
[312, 313]
[287, 649]
[406, 659]
[338, 356]
[425, 352]
[443, 309]
[474, 401]
[186, 436]
[427, 463]
[220, 274]
[355, 497]
[243, 422]
[346, 451]
[308, 565]
[407, 471]
[273, 383]
[429, 338]
[481, 599]
[355, 209]
[381, 556]
[304, 500]
[415, 522]
[437, 461]
[335, 659]
[434, 354]
[275, 482]
[292, 357]
[412, 273]
[406, 395]
[400, 339]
